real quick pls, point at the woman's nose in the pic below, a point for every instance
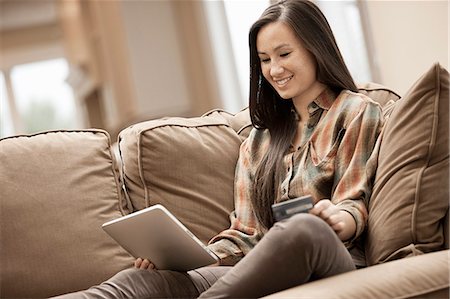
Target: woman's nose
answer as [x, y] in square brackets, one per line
[276, 69]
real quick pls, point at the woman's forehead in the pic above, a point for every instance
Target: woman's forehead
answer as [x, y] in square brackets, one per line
[275, 36]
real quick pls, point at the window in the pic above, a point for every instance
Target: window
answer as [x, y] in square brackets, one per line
[228, 24]
[232, 62]
[42, 98]
[345, 21]
[6, 126]
[240, 16]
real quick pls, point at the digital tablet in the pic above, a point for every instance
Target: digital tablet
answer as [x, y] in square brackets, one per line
[155, 234]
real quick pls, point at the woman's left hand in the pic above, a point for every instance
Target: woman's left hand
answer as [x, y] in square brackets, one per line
[340, 221]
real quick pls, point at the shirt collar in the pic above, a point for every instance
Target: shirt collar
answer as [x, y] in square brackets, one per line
[323, 101]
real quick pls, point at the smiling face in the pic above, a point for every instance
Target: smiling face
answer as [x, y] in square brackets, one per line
[286, 64]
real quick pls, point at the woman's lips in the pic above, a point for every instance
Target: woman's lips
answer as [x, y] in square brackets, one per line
[284, 81]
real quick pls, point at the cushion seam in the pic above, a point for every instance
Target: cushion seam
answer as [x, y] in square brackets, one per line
[243, 128]
[95, 131]
[122, 177]
[116, 176]
[427, 161]
[379, 88]
[141, 171]
[208, 113]
[439, 287]
[185, 126]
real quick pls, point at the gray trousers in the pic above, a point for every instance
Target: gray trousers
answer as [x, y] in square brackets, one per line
[300, 249]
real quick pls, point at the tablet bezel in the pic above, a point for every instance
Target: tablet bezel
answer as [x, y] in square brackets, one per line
[156, 234]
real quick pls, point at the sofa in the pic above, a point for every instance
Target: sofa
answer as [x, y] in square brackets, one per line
[58, 187]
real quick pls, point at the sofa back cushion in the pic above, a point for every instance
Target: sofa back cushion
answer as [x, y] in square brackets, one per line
[379, 93]
[411, 191]
[187, 165]
[57, 188]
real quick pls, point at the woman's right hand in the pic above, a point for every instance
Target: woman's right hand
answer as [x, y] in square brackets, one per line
[144, 264]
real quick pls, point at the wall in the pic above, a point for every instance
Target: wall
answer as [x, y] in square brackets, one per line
[408, 37]
[155, 58]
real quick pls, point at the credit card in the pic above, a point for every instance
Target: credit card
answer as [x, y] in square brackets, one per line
[286, 209]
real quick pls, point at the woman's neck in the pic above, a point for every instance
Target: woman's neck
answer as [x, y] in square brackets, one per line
[302, 101]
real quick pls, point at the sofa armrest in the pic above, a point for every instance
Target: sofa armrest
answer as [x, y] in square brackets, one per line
[424, 276]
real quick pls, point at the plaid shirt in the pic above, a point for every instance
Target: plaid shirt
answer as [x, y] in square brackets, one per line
[330, 163]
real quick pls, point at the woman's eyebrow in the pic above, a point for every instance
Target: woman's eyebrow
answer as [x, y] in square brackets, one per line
[276, 48]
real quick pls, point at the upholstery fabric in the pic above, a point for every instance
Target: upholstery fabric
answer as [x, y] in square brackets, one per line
[379, 93]
[240, 122]
[185, 164]
[57, 188]
[425, 276]
[411, 190]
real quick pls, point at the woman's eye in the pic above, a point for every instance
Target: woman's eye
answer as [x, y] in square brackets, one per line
[265, 60]
[285, 54]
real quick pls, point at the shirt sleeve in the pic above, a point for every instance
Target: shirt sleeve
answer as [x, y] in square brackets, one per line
[353, 173]
[232, 244]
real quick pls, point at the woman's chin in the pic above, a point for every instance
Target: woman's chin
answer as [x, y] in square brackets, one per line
[285, 96]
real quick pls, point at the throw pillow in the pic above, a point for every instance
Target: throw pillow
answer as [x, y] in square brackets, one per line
[411, 190]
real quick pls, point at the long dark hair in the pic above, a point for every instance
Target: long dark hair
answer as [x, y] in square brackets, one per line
[269, 111]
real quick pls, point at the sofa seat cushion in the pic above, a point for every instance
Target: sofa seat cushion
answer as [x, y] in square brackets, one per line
[185, 164]
[411, 189]
[57, 188]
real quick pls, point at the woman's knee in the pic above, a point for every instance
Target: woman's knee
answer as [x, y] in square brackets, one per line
[306, 228]
[126, 281]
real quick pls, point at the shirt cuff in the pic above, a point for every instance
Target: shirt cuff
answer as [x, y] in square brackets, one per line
[227, 252]
[357, 216]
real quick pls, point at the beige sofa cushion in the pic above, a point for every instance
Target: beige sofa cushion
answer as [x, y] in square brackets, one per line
[57, 188]
[187, 165]
[420, 277]
[411, 191]
[379, 93]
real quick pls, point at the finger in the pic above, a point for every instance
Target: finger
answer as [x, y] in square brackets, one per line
[145, 264]
[329, 215]
[338, 227]
[137, 263]
[333, 219]
[320, 206]
[326, 214]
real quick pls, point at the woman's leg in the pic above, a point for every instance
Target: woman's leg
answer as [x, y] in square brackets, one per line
[295, 251]
[136, 283]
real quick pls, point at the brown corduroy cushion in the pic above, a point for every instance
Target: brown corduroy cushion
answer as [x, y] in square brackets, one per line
[411, 190]
[185, 164]
[57, 188]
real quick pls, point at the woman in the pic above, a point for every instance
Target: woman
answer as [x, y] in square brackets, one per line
[313, 135]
